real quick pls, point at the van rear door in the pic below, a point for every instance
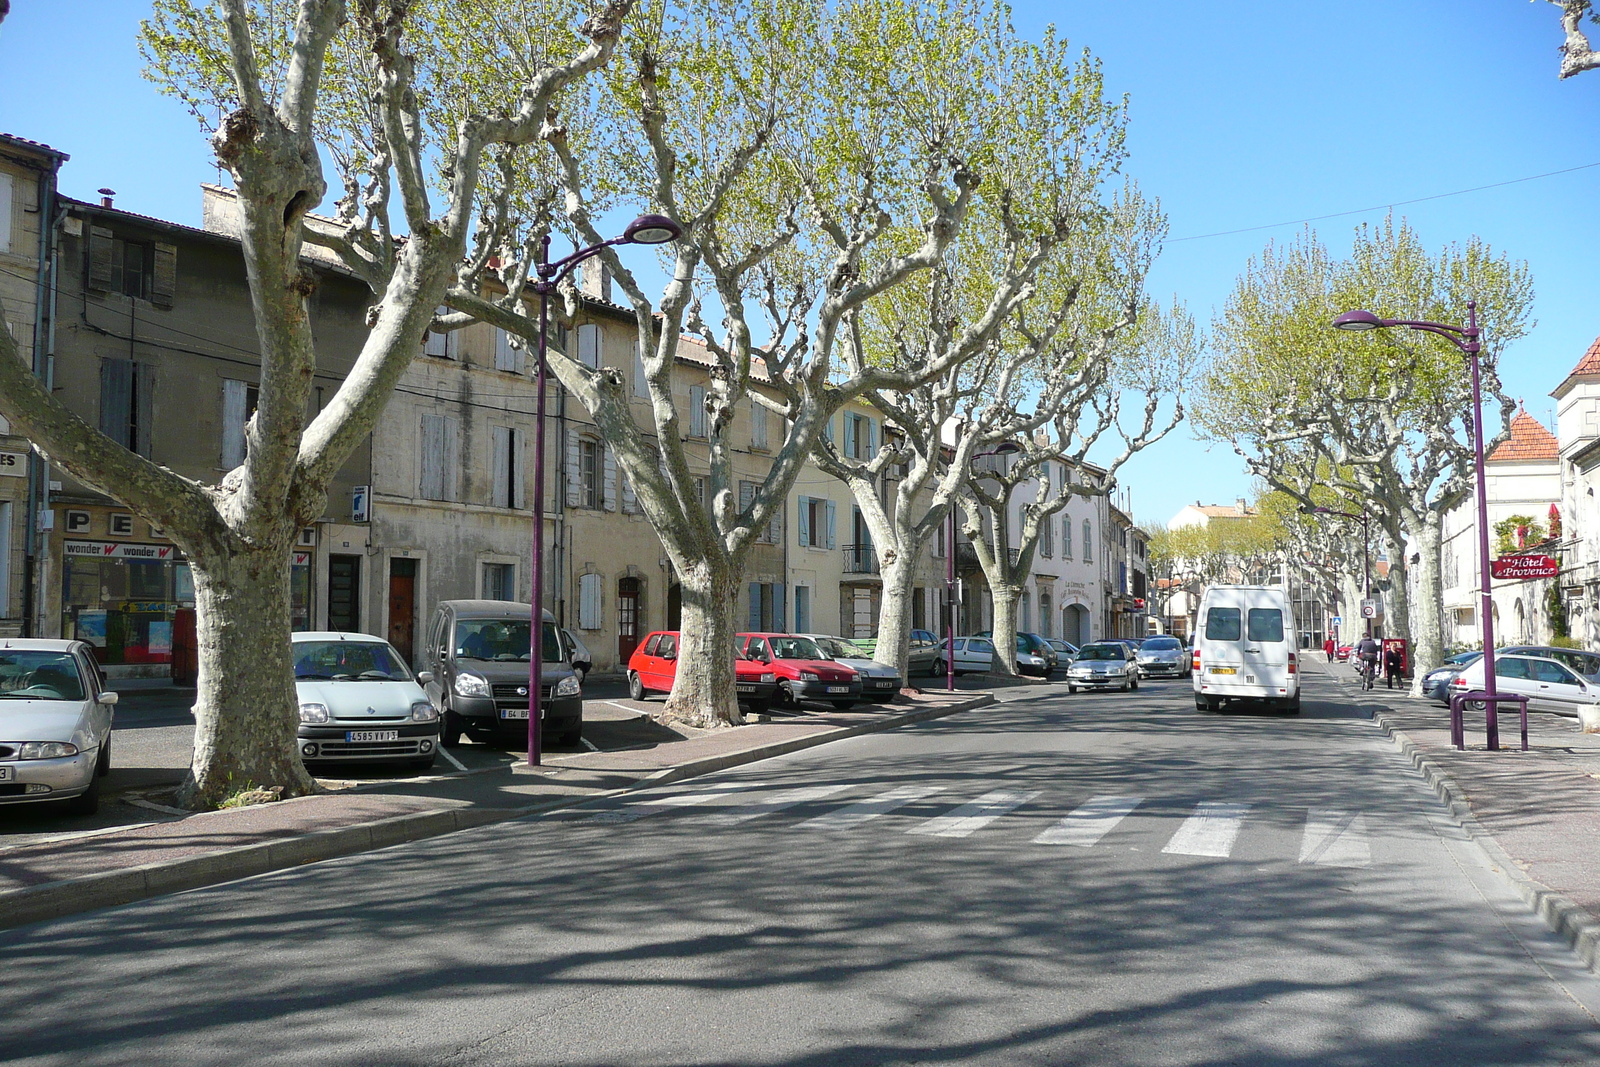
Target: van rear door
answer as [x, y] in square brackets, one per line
[1221, 653]
[1265, 653]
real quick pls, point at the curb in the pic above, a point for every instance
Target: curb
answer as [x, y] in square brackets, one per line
[1563, 916]
[53, 900]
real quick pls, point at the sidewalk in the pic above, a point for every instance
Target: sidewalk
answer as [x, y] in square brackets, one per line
[1537, 813]
[67, 873]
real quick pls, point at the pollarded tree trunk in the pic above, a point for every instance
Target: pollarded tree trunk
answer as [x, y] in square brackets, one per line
[1004, 597]
[243, 619]
[894, 613]
[1428, 616]
[705, 696]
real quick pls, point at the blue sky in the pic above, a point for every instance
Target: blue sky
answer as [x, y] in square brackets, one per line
[1244, 113]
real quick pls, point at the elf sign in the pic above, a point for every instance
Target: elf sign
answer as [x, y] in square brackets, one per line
[1521, 568]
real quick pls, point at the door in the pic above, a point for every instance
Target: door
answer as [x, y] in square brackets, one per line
[862, 625]
[627, 618]
[1556, 688]
[344, 593]
[403, 606]
[674, 606]
[663, 666]
[975, 654]
[1513, 674]
[1266, 649]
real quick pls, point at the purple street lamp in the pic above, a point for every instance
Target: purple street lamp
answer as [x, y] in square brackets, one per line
[1366, 542]
[644, 230]
[1004, 448]
[1466, 339]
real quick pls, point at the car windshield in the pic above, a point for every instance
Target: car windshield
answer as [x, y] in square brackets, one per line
[796, 648]
[839, 648]
[39, 675]
[1102, 652]
[1162, 644]
[348, 661]
[503, 639]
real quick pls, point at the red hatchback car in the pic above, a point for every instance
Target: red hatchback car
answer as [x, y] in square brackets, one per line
[804, 671]
[654, 665]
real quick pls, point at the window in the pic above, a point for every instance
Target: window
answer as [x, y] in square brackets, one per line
[439, 343]
[506, 476]
[144, 270]
[1088, 542]
[239, 401]
[589, 473]
[589, 606]
[860, 436]
[1045, 619]
[126, 390]
[1264, 624]
[939, 547]
[1066, 537]
[589, 345]
[697, 411]
[758, 425]
[1222, 624]
[439, 462]
[506, 356]
[499, 581]
[1047, 538]
[773, 532]
[1511, 668]
[816, 522]
[802, 608]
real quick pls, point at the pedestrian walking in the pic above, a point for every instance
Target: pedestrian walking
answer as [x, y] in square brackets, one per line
[1327, 649]
[1391, 663]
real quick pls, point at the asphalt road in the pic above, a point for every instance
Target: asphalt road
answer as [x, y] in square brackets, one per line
[1097, 879]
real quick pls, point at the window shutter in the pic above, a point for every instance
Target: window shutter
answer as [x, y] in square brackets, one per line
[1066, 537]
[872, 438]
[5, 212]
[755, 605]
[630, 502]
[450, 462]
[589, 345]
[830, 543]
[1088, 541]
[775, 527]
[805, 521]
[116, 399]
[641, 386]
[164, 282]
[102, 257]
[574, 489]
[430, 486]
[608, 488]
[827, 430]
[233, 415]
[500, 466]
[589, 602]
[505, 356]
[758, 425]
[747, 493]
[697, 411]
[777, 607]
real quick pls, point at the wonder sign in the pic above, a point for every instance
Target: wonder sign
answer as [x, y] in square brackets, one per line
[1523, 567]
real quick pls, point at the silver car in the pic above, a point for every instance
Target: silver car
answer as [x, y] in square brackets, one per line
[1103, 665]
[1163, 655]
[879, 683]
[55, 724]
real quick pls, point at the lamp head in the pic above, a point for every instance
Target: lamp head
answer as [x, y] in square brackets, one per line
[1309, 509]
[1005, 448]
[1358, 320]
[652, 230]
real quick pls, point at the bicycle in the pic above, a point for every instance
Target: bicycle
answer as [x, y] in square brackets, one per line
[1369, 671]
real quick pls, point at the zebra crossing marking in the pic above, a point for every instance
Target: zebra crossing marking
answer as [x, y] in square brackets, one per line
[1210, 831]
[854, 815]
[635, 810]
[975, 814]
[1335, 839]
[1089, 823]
[776, 802]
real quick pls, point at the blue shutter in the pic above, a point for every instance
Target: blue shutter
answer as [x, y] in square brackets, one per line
[830, 543]
[872, 438]
[755, 606]
[777, 607]
[805, 521]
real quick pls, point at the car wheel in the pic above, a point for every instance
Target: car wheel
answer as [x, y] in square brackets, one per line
[786, 696]
[758, 707]
[635, 686]
[1071, 688]
[843, 705]
[449, 727]
[1292, 705]
[87, 802]
[938, 667]
[102, 767]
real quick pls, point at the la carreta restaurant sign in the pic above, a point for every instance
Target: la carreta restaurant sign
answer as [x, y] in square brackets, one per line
[1521, 568]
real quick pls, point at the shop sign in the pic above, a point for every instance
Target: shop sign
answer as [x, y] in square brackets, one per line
[301, 559]
[1521, 568]
[120, 550]
[13, 464]
[360, 497]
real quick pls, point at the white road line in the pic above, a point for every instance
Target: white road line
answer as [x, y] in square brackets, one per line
[776, 802]
[975, 814]
[1210, 831]
[624, 707]
[854, 815]
[1089, 823]
[445, 752]
[590, 745]
[1335, 839]
[653, 805]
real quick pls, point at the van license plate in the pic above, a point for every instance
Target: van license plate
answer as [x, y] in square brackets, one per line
[1224, 670]
[353, 736]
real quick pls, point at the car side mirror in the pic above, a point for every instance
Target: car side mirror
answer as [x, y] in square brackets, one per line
[108, 699]
[669, 655]
[424, 677]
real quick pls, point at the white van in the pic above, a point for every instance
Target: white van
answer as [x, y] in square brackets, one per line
[1243, 649]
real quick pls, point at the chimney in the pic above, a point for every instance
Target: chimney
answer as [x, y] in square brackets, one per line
[1240, 506]
[105, 197]
[596, 281]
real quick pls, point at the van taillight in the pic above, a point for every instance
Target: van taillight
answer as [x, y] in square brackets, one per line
[1196, 664]
[1291, 663]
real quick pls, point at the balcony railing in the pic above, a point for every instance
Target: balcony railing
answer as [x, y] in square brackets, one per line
[860, 559]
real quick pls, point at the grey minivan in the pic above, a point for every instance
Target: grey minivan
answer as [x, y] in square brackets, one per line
[478, 651]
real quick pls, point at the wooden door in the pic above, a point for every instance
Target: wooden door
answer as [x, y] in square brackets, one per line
[627, 618]
[403, 606]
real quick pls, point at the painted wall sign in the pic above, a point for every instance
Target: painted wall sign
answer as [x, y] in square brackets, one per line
[13, 464]
[120, 550]
[1522, 568]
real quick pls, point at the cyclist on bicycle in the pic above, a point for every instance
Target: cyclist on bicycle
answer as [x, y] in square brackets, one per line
[1367, 650]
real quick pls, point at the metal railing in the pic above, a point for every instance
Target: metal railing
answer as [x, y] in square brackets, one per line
[860, 559]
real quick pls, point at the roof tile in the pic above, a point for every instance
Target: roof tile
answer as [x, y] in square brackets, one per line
[1529, 440]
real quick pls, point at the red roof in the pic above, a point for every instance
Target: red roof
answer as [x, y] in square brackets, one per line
[1590, 363]
[1529, 439]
